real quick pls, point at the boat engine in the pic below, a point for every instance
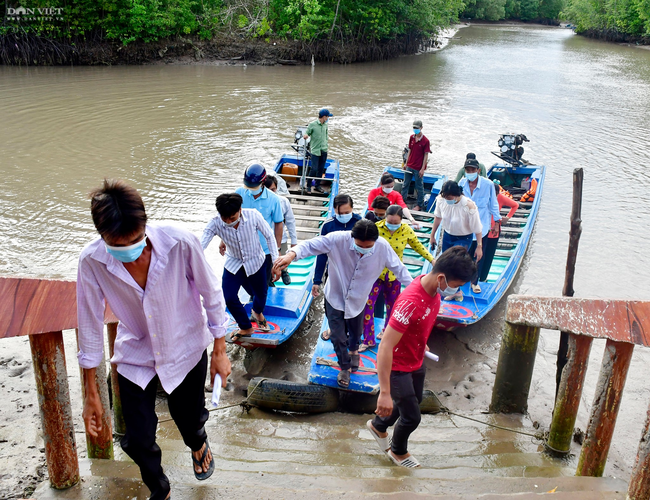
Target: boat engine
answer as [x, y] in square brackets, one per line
[511, 149]
[300, 142]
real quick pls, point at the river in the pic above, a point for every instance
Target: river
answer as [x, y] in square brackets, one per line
[182, 134]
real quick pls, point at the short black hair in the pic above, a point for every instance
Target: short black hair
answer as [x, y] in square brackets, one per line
[450, 188]
[365, 230]
[394, 210]
[470, 156]
[343, 199]
[228, 204]
[456, 264]
[380, 202]
[386, 178]
[270, 180]
[117, 209]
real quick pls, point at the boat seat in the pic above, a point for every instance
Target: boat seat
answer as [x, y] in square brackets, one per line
[507, 229]
[503, 253]
[428, 215]
[311, 208]
[319, 198]
[313, 218]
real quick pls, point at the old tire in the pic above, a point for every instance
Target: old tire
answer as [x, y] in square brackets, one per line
[356, 402]
[273, 394]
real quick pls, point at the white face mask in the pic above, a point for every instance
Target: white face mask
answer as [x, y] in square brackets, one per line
[387, 190]
[448, 291]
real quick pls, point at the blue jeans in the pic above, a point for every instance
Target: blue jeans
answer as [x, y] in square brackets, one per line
[255, 285]
[449, 240]
[410, 174]
[317, 168]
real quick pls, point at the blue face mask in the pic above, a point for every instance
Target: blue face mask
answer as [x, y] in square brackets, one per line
[361, 250]
[257, 191]
[130, 253]
[451, 202]
[393, 227]
[472, 176]
[343, 218]
[416, 131]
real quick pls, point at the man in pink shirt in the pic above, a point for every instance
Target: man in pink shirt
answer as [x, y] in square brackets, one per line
[153, 278]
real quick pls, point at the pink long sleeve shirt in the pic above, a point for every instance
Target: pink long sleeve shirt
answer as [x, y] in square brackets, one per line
[163, 329]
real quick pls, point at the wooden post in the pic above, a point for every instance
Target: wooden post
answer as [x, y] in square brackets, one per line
[639, 488]
[48, 356]
[572, 255]
[515, 369]
[611, 381]
[568, 397]
[118, 416]
[102, 445]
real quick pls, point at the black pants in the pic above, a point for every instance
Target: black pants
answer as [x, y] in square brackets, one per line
[344, 333]
[489, 249]
[255, 285]
[268, 262]
[479, 264]
[406, 390]
[317, 167]
[187, 408]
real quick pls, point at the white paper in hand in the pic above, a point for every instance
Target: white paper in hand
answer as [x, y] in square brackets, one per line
[216, 390]
[432, 356]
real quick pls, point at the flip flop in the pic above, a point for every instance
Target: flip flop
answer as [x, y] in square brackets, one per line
[380, 335]
[262, 326]
[408, 462]
[236, 335]
[384, 443]
[355, 360]
[326, 335]
[366, 347]
[202, 476]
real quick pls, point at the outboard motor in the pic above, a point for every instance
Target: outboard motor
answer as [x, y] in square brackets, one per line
[511, 149]
[300, 142]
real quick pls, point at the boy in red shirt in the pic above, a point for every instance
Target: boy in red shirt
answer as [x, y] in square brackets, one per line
[400, 359]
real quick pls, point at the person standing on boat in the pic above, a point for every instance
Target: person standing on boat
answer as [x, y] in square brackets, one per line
[400, 359]
[481, 191]
[495, 230]
[317, 130]
[460, 221]
[357, 258]
[271, 183]
[387, 189]
[257, 197]
[377, 209]
[344, 220]
[245, 259]
[416, 164]
[157, 282]
[398, 235]
[482, 170]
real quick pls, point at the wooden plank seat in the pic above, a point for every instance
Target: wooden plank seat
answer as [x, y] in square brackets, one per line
[313, 218]
[319, 197]
[503, 253]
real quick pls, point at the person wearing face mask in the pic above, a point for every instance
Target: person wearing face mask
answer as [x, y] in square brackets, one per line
[357, 258]
[258, 197]
[481, 168]
[398, 235]
[344, 220]
[387, 189]
[400, 359]
[481, 191]
[318, 132]
[460, 221]
[245, 259]
[157, 282]
[416, 163]
[378, 209]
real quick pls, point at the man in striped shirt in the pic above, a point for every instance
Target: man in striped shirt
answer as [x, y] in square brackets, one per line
[153, 277]
[245, 259]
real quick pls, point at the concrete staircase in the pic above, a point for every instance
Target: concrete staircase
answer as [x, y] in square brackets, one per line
[276, 456]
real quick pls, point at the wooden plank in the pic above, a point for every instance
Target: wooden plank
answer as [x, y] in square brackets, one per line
[319, 199]
[507, 229]
[503, 253]
[30, 306]
[428, 215]
[311, 208]
[310, 218]
[618, 320]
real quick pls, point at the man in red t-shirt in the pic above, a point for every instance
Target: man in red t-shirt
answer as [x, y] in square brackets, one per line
[400, 359]
[416, 163]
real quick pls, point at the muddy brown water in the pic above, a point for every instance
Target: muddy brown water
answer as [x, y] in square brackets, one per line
[182, 134]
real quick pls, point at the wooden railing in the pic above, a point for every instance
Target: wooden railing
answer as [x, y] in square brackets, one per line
[623, 323]
[42, 309]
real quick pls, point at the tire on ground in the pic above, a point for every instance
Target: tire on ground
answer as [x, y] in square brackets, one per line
[283, 395]
[357, 402]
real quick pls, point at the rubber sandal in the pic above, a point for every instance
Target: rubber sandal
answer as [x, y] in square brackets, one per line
[262, 326]
[236, 335]
[458, 297]
[476, 288]
[384, 443]
[202, 476]
[380, 335]
[326, 335]
[408, 462]
[355, 359]
[343, 379]
[365, 347]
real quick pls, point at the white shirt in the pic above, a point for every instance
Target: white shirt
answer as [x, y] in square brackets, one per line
[459, 219]
[243, 247]
[351, 275]
[289, 222]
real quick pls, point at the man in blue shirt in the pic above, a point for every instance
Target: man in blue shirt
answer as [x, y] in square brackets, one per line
[258, 197]
[481, 191]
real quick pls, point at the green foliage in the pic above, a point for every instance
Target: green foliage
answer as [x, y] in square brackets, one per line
[631, 17]
[526, 10]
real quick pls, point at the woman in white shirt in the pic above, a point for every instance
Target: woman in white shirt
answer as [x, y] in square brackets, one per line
[460, 221]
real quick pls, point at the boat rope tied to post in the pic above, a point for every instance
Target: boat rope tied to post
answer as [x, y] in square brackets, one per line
[245, 404]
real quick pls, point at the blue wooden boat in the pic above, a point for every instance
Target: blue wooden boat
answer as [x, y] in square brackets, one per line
[324, 369]
[287, 305]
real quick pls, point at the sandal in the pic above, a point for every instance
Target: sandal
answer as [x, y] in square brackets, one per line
[476, 288]
[458, 296]
[326, 335]
[384, 443]
[202, 476]
[236, 335]
[409, 462]
[380, 335]
[343, 378]
[365, 347]
[355, 359]
[262, 325]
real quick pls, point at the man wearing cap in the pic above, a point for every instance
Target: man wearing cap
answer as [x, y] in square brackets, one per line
[471, 156]
[317, 130]
[416, 163]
